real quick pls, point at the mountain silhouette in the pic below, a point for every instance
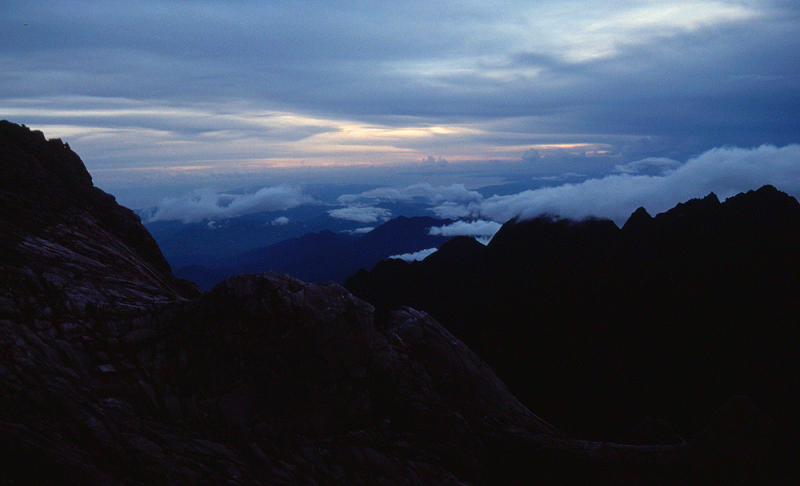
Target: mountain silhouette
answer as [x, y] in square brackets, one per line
[326, 256]
[597, 327]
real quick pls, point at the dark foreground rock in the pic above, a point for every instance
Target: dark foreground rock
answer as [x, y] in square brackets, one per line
[268, 380]
[113, 373]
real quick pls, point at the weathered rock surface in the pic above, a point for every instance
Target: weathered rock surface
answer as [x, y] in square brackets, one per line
[68, 248]
[111, 373]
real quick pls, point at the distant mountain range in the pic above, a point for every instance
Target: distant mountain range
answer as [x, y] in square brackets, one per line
[323, 256]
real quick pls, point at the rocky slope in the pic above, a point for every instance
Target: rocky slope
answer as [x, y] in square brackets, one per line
[68, 242]
[112, 372]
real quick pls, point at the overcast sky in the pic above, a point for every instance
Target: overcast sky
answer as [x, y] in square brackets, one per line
[157, 94]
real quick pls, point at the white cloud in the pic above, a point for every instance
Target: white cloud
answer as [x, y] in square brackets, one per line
[209, 204]
[437, 194]
[280, 221]
[434, 194]
[724, 171]
[478, 228]
[416, 256]
[451, 210]
[361, 214]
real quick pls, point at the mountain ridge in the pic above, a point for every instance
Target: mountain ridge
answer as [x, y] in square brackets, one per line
[326, 255]
[683, 298]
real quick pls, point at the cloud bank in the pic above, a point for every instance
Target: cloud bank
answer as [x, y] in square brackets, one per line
[433, 194]
[208, 204]
[482, 230]
[725, 171]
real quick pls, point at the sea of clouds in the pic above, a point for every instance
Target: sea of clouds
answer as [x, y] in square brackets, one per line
[656, 184]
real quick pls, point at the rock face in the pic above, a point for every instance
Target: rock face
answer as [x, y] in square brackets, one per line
[66, 242]
[112, 373]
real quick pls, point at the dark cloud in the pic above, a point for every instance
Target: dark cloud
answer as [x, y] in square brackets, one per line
[531, 156]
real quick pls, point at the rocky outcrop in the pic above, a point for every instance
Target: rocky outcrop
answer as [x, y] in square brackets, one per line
[69, 250]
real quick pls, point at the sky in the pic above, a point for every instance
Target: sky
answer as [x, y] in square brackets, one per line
[601, 106]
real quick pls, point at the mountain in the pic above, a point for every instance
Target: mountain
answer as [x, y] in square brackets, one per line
[325, 255]
[211, 243]
[114, 372]
[597, 327]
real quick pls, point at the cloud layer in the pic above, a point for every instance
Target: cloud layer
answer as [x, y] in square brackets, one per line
[724, 171]
[210, 205]
[482, 230]
[361, 213]
[229, 86]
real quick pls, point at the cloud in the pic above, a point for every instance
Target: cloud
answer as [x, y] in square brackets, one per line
[244, 84]
[452, 210]
[651, 166]
[467, 228]
[361, 214]
[434, 194]
[482, 230]
[359, 231]
[531, 156]
[725, 171]
[209, 204]
[280, 221]
[434, 162]
[416, 256]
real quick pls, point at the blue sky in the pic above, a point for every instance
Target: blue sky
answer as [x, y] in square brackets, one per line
[160, 98]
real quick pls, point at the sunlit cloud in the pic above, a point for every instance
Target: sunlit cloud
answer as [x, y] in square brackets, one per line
[578, 31]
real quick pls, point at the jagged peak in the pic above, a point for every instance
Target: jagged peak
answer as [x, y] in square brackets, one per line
[637, 220]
